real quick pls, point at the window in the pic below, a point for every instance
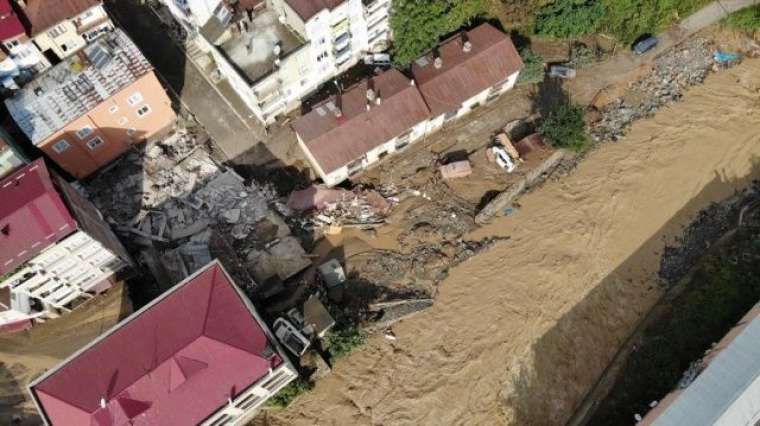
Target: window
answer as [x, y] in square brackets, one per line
[135, 99]
[84, 132]
[131, 131]
[113, 109]
[64, 47]
[60, 146]
[450, 116]
[355, 166]
[11, 44]
[123, 121]
[223, 14]
[143, 111]
[94, 142]
[57, 30]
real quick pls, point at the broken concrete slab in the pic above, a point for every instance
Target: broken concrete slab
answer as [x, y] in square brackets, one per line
[189, 230]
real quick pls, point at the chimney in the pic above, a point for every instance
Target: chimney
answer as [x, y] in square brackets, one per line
[371, 95]
[102, 403]
[412, 83]
[438, 63]
[466, 45]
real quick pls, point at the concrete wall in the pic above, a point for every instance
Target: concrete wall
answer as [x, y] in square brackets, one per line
[117, 124]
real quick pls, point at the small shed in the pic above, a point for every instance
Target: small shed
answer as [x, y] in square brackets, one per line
[455, 170]
[316, 317]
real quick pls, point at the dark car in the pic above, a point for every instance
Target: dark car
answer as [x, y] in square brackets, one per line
[645, 45]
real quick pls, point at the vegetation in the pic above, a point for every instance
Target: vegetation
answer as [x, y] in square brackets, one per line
[418, 24]
[569, 18]
[746, 19]
[625, 19]
[289, 393]
[533, 71]
[343, 340]
[565, 127]
[722, 290]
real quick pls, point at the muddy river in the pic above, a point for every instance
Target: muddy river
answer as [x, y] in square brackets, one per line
[519, 333]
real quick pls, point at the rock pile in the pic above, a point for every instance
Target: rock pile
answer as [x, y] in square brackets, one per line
[673, 72]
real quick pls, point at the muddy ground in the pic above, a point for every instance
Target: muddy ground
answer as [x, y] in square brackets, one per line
[520, 332]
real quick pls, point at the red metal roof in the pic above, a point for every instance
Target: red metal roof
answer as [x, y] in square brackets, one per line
[335, 142]
[32, 215]
[175, 362]
[10, 25]
[43, 14]
[463, 75]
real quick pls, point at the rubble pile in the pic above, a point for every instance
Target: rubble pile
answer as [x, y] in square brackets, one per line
[361, 207]
[152, 174]
[673, 73]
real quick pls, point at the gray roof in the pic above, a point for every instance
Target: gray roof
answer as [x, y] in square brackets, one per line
[77, 85]
[727, 392]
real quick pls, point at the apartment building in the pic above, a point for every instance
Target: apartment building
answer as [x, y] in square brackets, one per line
[20, 59]
[273, 53]
[91, 108]
[727, 390]
[61, 27]
[469, 69]
[348, 133]
[56, 251]
[197, 355]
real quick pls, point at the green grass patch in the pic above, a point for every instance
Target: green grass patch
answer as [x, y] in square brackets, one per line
[569, 18]
[627, 20]
[289, 393]
[533, 71]
[746, 19]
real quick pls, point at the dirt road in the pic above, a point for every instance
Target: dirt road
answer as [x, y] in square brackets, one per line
[519, 333]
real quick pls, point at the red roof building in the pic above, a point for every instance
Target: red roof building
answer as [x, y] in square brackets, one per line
[465, 66]
[56, 251]
[32, 216]
[197, 354]
[10, 25]
[361, 121]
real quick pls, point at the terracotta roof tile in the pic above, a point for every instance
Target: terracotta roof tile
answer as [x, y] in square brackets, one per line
[306, 9]
[43, 14]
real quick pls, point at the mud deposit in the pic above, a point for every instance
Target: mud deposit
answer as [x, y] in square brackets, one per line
[519, 333]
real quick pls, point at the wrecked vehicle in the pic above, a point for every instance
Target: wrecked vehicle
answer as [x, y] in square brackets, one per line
[290, 337]
[503, 159]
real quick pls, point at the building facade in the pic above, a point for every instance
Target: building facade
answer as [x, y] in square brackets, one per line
[274, 53]
[91, 108]
[341, 138]
[197, 355]
[345, 135]
[60, 28]
[21, 59]
[56, 251]
[11, 157]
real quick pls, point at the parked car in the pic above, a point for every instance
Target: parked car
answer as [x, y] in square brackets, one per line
[503, 159]
[561, 71]
[290, 337]
[377, 59]
[645, 45]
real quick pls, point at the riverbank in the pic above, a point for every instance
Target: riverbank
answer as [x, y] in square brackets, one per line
[521, 332]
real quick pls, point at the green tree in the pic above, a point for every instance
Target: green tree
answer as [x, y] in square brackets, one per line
[533, 69]
[418, 24]
[569, 18]
[629, 19]
[566, 128]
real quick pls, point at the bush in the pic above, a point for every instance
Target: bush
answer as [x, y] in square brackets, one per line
[565, 128]
[289, 393]
[533, 71]
[629, 19]
[746, 19]
[569, 18]
[342, 341]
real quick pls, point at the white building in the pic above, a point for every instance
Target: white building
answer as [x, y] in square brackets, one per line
[341, 138]
[56, 251]
[20, 59]
[60, 28]
[345, 135]
[467, 70]
[274, 53]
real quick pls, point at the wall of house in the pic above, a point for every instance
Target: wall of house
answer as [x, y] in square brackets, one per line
[202, 10]
[9, 159]
[292, 19]
[25, 53]
[117, 123]
[64, 43]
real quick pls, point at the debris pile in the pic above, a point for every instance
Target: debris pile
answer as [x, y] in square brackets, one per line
[673, 73]
[336, 208]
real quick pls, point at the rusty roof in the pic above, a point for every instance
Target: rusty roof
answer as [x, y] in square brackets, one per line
[306, 9]
[43, 14]
[335, 142]
[463, 75]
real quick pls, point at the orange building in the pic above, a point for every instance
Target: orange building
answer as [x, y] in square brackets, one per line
[90, 109]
